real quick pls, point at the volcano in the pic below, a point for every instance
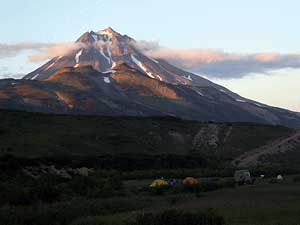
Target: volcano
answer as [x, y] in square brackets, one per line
[107, 74]
[104, 49]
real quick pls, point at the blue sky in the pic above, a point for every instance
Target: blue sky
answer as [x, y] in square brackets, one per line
[234, 26]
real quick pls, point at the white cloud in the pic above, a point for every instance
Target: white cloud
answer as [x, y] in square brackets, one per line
[12, 50]
[55, 50]
[216, 63]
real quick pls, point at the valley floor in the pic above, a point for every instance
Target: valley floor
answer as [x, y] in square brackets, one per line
[251, 205]
[265, 203]
[268, 202]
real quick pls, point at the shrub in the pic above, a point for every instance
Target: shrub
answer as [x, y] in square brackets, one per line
[85, 221]
[273, 181]
[45, 191]
[230, 183]
[95, 186]
[210, 186]
[297, 178]
[173, 200]
[64, 213]
[159, 190]
[17, 196]
[178, 217]
[192, 187]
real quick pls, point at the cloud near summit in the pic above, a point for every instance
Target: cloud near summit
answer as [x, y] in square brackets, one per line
[212, 63]
[216, 63]
[55, 50]
[12, 50]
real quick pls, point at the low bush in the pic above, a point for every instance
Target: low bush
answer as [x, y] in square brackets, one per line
[178, 217]
[273, 181]
[19, 191]
[297, 178]
[160, 190]
[64, 213]
[24, 191]
[101, 220]
[96, 185]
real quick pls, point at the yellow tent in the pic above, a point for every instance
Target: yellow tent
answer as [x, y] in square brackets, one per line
[158, 183]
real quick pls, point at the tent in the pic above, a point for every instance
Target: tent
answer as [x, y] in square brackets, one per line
[158, 183]
[171, 181]
[279, 177]
[190, 180]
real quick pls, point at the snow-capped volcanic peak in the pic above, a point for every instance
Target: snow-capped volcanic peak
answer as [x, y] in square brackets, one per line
[104, 49]
[102, 35]
[107, 30]
[95, 36]
[107, 33]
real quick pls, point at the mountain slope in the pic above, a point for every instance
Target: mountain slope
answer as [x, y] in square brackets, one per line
[108, 75]
[142, 143]
[284, 149]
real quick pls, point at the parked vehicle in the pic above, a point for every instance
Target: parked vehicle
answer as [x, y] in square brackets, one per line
[243, 177]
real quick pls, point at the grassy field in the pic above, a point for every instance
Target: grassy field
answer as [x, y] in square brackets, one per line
[264, 203]
[80, 201]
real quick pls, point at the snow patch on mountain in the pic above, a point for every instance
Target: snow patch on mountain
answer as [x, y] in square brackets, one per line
[141, 65]
[77, 58]
[105, 32]
[35, 76]
[106, 44]
[200, 93]
[154, 60]
[112, 62]
[48, 67]
[240, 100]
[52, 64]
[159, 77]
[107, 35]
[259, 105]
[188, 77]
[102, 53]
[95, 37]
[109, 71]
